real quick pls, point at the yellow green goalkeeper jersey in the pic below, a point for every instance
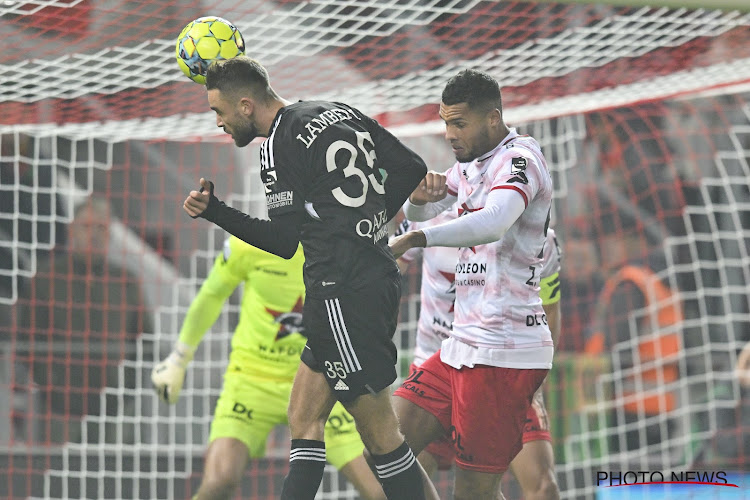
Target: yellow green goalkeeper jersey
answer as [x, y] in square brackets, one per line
[268, 339]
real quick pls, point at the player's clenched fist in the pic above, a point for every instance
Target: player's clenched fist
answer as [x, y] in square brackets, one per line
[197, 201]
[169, 375]
[431, 189]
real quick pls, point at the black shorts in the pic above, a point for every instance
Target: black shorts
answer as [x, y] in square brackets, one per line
[350, 338]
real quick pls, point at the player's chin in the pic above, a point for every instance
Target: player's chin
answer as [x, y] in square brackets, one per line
[242, 141]
[462, 156]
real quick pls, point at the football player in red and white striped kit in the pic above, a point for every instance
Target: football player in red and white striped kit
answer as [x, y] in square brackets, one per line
[534, 466]
[478, 388]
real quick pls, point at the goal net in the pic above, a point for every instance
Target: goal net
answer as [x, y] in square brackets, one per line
[643, 114]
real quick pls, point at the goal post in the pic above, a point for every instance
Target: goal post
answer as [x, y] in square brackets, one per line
[642, 112]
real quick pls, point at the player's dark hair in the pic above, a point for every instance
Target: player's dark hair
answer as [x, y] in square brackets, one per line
[476, 88]
[239, 74]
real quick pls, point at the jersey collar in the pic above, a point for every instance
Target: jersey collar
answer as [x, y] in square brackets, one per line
[512, 134]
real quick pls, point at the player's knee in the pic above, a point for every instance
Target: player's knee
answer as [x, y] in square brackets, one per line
[477, 490]
[546, 488]
[380, 439]
[218, 487]
[302, 425]
[474, 493]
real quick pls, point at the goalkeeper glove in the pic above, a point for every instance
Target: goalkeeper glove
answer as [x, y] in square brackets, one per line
[169, 375]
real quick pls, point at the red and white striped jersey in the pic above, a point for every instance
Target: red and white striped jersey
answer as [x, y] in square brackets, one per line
[499, 319]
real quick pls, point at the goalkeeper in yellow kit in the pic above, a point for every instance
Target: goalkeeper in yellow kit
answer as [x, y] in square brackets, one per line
[266, 349]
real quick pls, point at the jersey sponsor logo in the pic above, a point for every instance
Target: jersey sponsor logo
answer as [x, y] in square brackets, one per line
[458, 446]
[517, 167]
[289, 321]
[341, 423]
[277, 353]
[327, 283]
[470, 282]
[278, 200]
[436, 320]
[470, 268]
[341, 386]
[376, 229]
[536, 319]
[275, 272]
[314, 127]
[269, 179]
[517, 164]
[242, 410]
[412, 383]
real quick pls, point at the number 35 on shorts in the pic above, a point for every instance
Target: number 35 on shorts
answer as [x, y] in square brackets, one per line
[335, 369]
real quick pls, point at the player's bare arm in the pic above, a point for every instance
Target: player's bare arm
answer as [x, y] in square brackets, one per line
[400, 244]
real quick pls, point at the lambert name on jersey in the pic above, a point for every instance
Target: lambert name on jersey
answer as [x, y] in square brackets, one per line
[322, 121]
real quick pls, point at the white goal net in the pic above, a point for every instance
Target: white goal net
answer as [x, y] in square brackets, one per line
[643, 114]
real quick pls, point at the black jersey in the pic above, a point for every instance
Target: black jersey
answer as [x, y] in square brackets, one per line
[348, 176]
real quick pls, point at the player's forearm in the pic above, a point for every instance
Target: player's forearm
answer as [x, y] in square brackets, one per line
[421, 213]
[207, 306]
[401, 182]
[483, 226]
[203, 313]
[279, 236]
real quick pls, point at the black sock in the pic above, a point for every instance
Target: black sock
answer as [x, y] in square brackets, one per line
[306, 463]
[399, 474]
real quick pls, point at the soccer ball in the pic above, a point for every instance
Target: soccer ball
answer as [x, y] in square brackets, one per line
[205, 40]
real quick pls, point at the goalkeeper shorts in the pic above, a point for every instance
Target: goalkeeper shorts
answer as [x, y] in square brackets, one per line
[249, 407]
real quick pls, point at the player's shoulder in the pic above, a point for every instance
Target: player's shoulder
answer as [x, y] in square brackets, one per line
[236, 249]
[519, 152]
[522, 159]
[319, 113]
[301, 124]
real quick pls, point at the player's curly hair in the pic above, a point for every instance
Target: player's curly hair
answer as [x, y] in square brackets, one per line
[476, 88]
[239, 73]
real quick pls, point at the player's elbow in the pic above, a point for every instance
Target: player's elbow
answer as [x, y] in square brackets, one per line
[419, 169]
[493, 233]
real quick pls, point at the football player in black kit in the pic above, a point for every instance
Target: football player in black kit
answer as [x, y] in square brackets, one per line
[333, 178]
